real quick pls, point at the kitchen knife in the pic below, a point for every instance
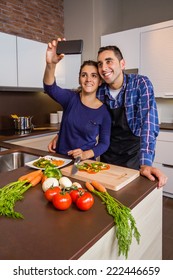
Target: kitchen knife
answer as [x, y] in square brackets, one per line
[74, 168]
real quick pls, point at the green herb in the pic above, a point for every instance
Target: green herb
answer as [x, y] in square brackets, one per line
[9, 195]
[124, 221]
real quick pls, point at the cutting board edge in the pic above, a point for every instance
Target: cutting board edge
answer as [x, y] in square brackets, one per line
[123, 184]
[114, 188]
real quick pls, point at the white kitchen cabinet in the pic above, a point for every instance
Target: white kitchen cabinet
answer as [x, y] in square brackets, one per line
[32, 62]
[31, 57]
[67, 71]
[148, 49]
[164, 159]
[37, 142]
[156, 59]
[8, 69]
[129, 43]
[22, 62]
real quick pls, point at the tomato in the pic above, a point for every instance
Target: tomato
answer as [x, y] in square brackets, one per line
[51, 192]
[85, 201]
[76, 193]
[62, 200]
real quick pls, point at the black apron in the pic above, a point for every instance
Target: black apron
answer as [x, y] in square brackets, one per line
[124, 146]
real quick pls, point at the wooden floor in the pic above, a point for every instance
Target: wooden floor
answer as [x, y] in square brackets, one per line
[167, 229]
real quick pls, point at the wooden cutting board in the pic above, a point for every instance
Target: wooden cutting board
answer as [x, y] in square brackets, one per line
[114, 178]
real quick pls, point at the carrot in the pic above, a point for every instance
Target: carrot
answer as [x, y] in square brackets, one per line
[34, 175]
[36, 180]
[98, 186]
[22, 178]
[44, 177]
[89, 187]
[28, 177]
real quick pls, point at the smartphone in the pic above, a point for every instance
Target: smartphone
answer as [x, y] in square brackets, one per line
[70, 47]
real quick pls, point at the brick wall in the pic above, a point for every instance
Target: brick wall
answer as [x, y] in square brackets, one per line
[39, 20]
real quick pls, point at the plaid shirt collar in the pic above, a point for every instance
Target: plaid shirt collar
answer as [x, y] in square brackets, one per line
[103, 94]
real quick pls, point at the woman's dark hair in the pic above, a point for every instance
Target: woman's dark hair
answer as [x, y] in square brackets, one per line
[88, 62]
[115, 49]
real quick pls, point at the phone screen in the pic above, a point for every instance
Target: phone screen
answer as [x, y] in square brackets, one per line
[70, 47]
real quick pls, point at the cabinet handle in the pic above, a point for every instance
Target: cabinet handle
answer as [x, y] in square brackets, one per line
[167, 165]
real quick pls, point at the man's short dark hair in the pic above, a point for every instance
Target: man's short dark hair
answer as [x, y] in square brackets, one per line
[115, 49]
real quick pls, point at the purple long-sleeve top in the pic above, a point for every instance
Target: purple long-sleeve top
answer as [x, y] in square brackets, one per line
[81, 127]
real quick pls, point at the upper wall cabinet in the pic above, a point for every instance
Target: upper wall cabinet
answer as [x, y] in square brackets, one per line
[23, 62]
[8, 69]
[31, 57]
[150, 49]
[67, 71]
[156, 59]
[129, 43]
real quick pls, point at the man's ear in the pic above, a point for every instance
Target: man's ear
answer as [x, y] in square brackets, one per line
[122, 64]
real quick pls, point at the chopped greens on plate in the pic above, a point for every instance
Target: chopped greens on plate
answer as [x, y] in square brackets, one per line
[44, 162]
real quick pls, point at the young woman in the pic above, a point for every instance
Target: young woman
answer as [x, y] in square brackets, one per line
[86, 122]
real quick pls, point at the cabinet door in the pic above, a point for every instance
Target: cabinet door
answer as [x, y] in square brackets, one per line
[8, 69]
[164, 148]
[168, 170]
[67, 71]
[129, 43]
[157, 59]
[164, 160]
[164, 152]
[31, 63]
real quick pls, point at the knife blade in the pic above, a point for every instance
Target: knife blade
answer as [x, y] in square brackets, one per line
[74, 168]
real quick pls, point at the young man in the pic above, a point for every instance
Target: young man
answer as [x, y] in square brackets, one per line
[131, 102]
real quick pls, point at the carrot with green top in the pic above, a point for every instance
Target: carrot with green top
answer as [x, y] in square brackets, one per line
[123, 219]
[9, 195]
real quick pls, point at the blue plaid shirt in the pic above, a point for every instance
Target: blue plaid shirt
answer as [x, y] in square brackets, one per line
[141, 111]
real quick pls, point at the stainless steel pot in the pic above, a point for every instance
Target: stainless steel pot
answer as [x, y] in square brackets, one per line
[23, 123]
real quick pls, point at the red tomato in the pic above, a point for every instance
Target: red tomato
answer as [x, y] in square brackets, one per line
[85, 201]
[49, 193]
[62, 200]
[76, 193]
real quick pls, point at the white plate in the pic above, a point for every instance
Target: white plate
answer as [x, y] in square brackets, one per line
[66, 161]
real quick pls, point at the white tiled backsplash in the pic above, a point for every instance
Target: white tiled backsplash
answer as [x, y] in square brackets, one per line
[165, 110]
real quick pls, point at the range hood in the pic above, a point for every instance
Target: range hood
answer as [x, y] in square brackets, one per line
[131, 71]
